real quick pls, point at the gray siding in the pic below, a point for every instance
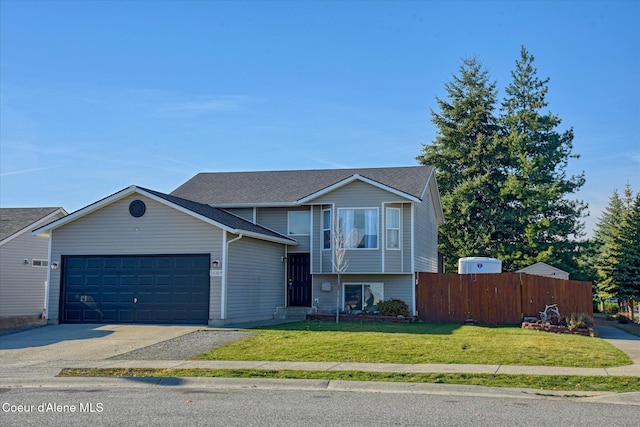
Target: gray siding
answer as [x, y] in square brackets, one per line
[396, 286]
[255, 280]
[276, 219]
[244, 213]
[111, 230]
[22, 287]
[359, 194]
[426, 236]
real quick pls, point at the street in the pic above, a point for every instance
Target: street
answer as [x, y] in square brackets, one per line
[262, 406]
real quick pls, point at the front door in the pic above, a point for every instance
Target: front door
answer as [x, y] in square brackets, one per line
[299, 280]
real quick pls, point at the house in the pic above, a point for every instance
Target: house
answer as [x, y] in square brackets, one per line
[546, 270]
[23, 263]
[235, 247]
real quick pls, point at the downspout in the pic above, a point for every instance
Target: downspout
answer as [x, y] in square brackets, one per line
[413, 256]
[45, 311]
[225, 261]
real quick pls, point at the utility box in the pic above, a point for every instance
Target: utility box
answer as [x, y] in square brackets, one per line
[479, 265]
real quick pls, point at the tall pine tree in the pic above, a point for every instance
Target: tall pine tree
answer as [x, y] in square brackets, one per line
[466, 154]
[607, 248]
[544, 222]
[503, 180]
[618, 238]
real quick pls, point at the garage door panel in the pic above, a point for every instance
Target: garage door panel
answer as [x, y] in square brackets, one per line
[136, 289]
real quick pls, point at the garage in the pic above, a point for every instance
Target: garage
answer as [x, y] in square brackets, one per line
[154, 289]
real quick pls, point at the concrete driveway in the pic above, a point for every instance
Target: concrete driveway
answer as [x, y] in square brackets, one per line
[49, 348]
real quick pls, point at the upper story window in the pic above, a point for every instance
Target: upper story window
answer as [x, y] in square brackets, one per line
[393, 228]
[300, 223]
[326, 229]
[359, 227]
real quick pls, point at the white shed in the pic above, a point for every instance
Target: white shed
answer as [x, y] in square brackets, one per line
[546, 270]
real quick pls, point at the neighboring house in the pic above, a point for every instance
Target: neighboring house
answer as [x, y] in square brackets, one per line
[546, 270]
[235, 247]
[23, 261]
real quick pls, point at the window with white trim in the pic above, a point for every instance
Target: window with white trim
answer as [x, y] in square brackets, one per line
[393, 228]
[326, 229]
[362, 296]
[359, 227]
[39, 263]
[299, 223]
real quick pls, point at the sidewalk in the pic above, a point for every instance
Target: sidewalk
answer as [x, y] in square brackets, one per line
[41, 368]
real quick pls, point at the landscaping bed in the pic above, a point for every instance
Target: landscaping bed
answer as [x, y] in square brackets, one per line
[361, 317]
[588, 332]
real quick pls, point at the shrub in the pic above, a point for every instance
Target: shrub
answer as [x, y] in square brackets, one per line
[579, 321]
[611, 307]
[394, 307]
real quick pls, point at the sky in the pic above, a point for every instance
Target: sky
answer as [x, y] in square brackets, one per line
[99, 95]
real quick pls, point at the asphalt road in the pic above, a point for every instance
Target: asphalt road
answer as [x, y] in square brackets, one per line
[263, 406]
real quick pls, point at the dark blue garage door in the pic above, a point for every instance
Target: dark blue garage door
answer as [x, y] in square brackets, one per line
[135, 289]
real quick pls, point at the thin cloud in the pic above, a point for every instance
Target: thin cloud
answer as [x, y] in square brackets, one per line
[207, 105]
[20, 172]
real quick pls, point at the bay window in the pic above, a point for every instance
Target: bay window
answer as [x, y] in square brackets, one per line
[359, 227]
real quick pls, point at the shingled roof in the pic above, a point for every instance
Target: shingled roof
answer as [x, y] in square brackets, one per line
[218, 215]
[215, 216]
[287, 187]
[13, 220]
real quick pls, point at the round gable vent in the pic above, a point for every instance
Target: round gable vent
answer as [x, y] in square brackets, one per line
[137, 208]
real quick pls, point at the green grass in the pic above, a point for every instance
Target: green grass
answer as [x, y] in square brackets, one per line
[569, 383]
[321, 341]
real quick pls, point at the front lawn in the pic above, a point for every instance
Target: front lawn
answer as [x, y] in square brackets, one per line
[322, 341]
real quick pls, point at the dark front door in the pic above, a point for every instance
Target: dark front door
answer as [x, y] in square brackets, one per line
[299, 280]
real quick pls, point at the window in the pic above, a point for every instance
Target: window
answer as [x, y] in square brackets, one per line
[39, 262]
[359, 227]
[362, 296]
[393, 228]
[326, 229]
[299, 223]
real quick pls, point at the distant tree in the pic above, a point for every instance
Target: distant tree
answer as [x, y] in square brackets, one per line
[545, 222]
[605, 237]
[617, 235]
[466, 153]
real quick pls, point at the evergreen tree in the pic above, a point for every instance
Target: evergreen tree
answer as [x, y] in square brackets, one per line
[466, 154]
[544, 222]
[628, 274]
[605, 240]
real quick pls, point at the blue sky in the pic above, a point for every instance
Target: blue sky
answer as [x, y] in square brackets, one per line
[96, 96]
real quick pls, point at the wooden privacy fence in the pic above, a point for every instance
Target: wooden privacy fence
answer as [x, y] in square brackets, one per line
[496, 299]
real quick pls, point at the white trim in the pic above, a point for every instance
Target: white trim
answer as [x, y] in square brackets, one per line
[47, 291]
[307, 211]
[377, 209]
[133, 189]
[349, 180]
[311, 251]
[323, 229]
[413, 257]
[386, 228]
[225, 276]
[223, 282]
